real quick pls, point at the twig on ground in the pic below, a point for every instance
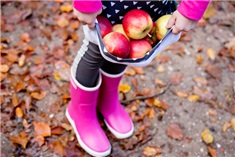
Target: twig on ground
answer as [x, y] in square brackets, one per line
[146, 97]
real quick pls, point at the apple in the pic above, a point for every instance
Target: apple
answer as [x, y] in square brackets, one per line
[117, 44]
[152, 36]
[105, 25]
[139, 48]
[119, 28]
[137, 24]
[161, 26]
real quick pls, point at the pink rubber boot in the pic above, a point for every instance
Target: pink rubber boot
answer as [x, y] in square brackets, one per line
[81, 113]
[115, 116]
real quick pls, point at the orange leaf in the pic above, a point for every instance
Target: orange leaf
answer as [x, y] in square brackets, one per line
[130, 71]
[19, 112]
[21, 139]
[151, 113]
[22, 60]
[200, 80]
[226, 126]
[199, 60]
[193, 98]
[25, 37]
[15, 100]
[211, 151]
[38, 95]
[39, 139]
[233, 123]
[42, 129]
[66, 8]
[4, 68]
[138, 70]
[161, 104]
[149, 151]
[58, 148]
[181, 94]
[62, 22]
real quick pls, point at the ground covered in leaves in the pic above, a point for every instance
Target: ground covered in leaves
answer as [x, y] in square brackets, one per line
[182, 104]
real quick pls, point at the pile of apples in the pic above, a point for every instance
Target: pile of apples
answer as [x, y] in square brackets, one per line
[135, 36]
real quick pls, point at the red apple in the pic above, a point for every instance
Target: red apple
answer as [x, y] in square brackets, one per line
[105, 25]
[137, 24]
[119, 28]
[117, 44]
[139, 48]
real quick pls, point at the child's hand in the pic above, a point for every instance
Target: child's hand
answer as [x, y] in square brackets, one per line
[87, 18]
[180, 23]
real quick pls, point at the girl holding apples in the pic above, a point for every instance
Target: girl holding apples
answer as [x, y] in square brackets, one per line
[94, 81]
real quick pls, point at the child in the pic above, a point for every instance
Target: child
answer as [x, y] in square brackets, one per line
[94, 81]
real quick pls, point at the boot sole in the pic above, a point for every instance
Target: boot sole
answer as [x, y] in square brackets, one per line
[82, 144]
[118, 134]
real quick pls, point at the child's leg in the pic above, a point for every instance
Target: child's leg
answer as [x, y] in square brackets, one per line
[115, 116]
[84, 89]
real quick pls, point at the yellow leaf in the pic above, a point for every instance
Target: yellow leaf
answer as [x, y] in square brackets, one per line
[210, 11]
[124, 88]
[149, 151]
[206, 136]
[19, 112]
[193, 98]
[211, 53]
[226, 126]
[160, 68]
[233, 123]
[199, 60]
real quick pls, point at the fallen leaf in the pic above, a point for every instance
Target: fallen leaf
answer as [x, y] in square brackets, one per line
[42, 129]
[160, 68]
[25, 37]
[22, 60]
[233, 123]
[66, 126]
[160, 104]
[39, 139]
[174, 131]
[15, 100]
[211, 151]
[193, 98]
[4, 68]
[19, 112]
[200, 80]
[199, 60]
[226, 126]
[181, 94]
[66, 8]
[130, 71]
[58, 148]
[151, 113]
[176, 79]
[206, 136]
[138, 70]
[63, 22]
[210, 11]
[22, 139]
[214, 71]
[57, 130]
[211, 53]
[151, 151]
[62, 71]
[124, 88]
[38, 95]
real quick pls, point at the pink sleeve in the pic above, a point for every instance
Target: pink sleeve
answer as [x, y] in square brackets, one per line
[193, 9]
[87, 6]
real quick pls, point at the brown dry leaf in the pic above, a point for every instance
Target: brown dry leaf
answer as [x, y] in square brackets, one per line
[193, 98]
[19, 112]
[57, 130]
[58, 148]
[233, 123]
[206, 136]
[21, 139]
[2, 76]
[124, 88]
[159, 82]
[4, 68]
[211, 151]
[226, 126]
[181, 94]
[151, 113]
[200, 80]
[176, 79]
[214, 71]
[151, 151]
[138, 70]
[38, 95]
[15, 100]
[42, 129]
[66, 8]
[66, 126]
[174, 131]
[12, 57]
[212, 112]
[74, 24]
[25, 37]
[39, 139]
[22, 60]
[211, 53]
